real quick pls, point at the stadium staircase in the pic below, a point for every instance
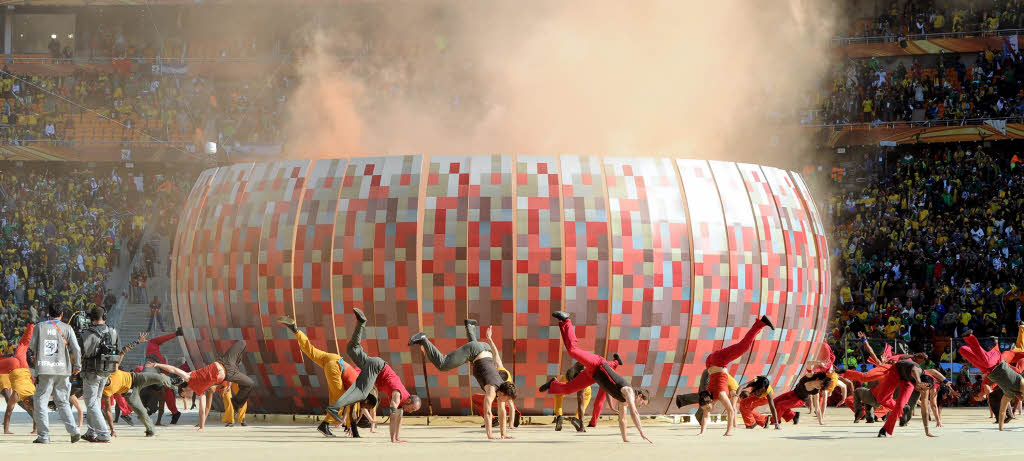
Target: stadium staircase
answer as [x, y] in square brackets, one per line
[134, 318]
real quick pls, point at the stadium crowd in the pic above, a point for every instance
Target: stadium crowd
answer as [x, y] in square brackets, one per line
[928, 245]
[43, 107]
[62, 229]
[900, 18]
[986, 85]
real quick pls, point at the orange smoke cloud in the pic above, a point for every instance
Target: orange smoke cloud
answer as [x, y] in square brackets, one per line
[723, 80]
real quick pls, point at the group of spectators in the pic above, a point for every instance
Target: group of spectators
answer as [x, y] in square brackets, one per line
[928, 245]
[44, 107]
[900, 18]
[989, 84]
[62, 230]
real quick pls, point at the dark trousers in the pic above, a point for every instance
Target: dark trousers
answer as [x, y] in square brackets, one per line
[864, 399]
[458, 356]
[232, 361]
[369, 367]
[141, 381]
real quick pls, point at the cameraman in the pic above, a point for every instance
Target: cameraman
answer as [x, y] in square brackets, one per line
[99, 342]
[57, 357]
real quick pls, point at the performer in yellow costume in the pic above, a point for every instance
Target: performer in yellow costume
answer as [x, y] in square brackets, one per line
[340, 375]
[582, 399]
[17, 379]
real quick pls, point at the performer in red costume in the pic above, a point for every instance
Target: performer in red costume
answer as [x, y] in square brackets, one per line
[597, 370]
[718, 376]
[153, 355]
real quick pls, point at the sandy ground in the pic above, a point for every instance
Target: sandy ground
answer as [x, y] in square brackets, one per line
[967, 434]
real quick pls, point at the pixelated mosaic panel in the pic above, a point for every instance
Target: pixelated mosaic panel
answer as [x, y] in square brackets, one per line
[240, 241]
[490, 249]
[744, 258]
[445, 277]
[774, 278]
[824, 279]
[282, 193]
[646, 295]
[802, 265]
[244, 244]
[211, 306]
[587, 257]
[311, 277]
[538, 277]
[670, 306]
[377, 215]
[184, 261]
[710, 312]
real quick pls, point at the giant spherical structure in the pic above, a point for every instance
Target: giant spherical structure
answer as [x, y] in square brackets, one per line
[661, 260]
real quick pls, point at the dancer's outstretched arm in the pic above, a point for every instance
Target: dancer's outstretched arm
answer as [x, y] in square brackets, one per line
[503, 422]
[494, 349]
[170, 369]
[396, 416]
[630, 406]
[204, 411]
[511, 410]
[867, 346]
[925, 399]
[489, 394]
[12, 400]
[1003, 404]
[771, 407]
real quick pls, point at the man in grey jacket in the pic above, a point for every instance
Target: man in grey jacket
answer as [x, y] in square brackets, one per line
[57, 357]
[94, 376]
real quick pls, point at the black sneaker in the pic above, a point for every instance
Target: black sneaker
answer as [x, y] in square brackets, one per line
[470, 322]
[417, 338]
[679, 401]
[179, 332]
[175, 417]
[767, 322]
[229, 425]
[616, 358]
[515, 420]
[765, 425]
[360, 316]
[796, 418]
[355, 431]
[558, 423]
[127, 420]
[325, 429]
[89, 438]
[546, 386]
[577, 424]
[38, 440]
[150, 433]
[76, 437]
[560, 316]
[881, 432]
[243, 424]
